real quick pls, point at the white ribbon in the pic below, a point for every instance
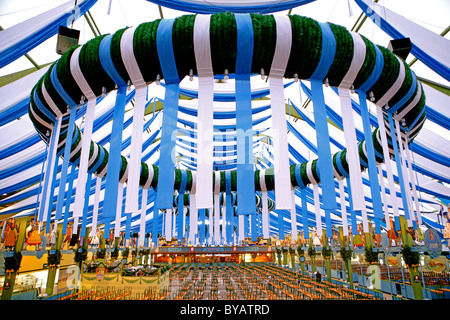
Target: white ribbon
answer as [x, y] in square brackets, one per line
[98, 184]
[317, 210]
[359, 52]
[118, 209]
[387, 162]
[143, 216]
[264, 205]
[241, 228]
[168, 224]
[202, 50]
[193, 214]
[405, 175]
[87, 133]
[412, 104]
[413, 181]
[383, 196]
[217, 207]
[52, 165]
[294, 235]
[50, 101]
[281, 153]
[134, 163]
[343, 206]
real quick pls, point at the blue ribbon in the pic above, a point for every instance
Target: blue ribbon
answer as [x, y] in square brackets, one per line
[245, 184]
[53, 144]
[352, 212]
[68, 198]
[114, 159]
[86, 205]
[399, 166]
[65, 164]
[228, 207]
[304, 213]
[181, 205]
[298, 176]
[320, 117]
[155, 221]
[280, 224]
[371, 162]
[202, 216]
[164, 196]
[127, 225]
[52, 190]
[372, 166]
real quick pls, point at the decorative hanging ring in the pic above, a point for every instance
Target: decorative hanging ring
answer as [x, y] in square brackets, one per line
[57, 90]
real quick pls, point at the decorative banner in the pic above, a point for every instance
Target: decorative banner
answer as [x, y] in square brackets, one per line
[245, 180]
[433, 243]
[164, 195]
[143, 214]
[134, 164]
[264, 205]
[372, 166]
[320, 118]
[68, 198]
[87, 133]
[228, 208]
[387, 164]
[216, 207]
[98, 183]
[180, 206]
[343, 206]
[399, 165]
[413, 181]
[50, 167]
[115, 143]
[279, 128]
[118, 210]
[193, 212]
[304, 213]
[205, 122]
[293, 217]
[359, 53]
[408, 195]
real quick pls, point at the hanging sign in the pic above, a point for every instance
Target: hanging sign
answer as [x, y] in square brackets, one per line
[433, 243]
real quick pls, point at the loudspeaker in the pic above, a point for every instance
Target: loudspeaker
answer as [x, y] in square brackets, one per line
[400, 47]
[67, 38]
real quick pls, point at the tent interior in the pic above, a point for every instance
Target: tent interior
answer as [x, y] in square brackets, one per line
[28, 43]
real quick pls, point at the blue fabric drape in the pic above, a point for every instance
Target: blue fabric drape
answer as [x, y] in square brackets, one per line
[243, 7]
[169, 126]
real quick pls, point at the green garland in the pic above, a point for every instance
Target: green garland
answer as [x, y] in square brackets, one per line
[304, 57]
[311, 252]
[55, 258]
[412, 258]
[13, 263]
[346, 254]
[80, 256]
[327, 252]
[371, 256]
[100, 254]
